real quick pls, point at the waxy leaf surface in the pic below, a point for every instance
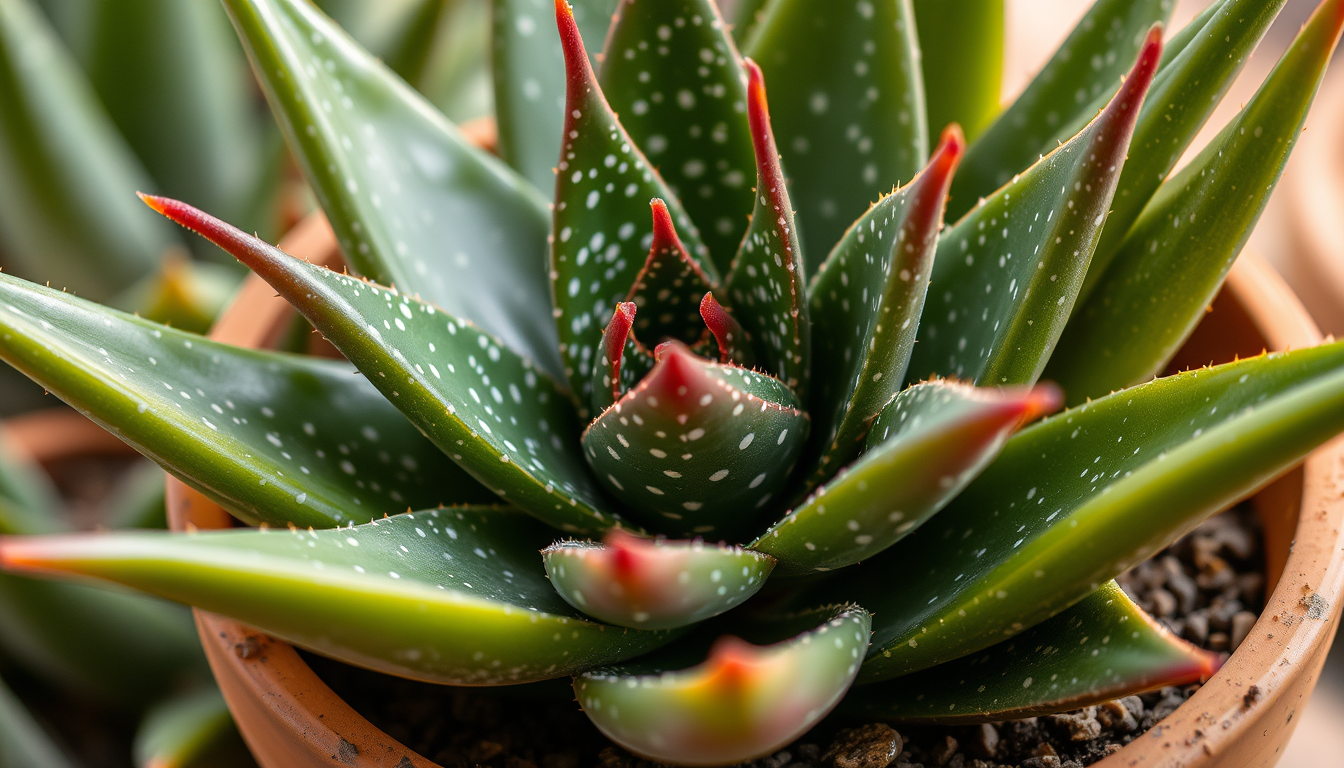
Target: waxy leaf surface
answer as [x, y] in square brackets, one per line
[254, 430]
[23, 741]
[669, 287]
[744, 701]
[1172, 263]
[503, 421]
[672, 73]
[601, 229]
[865, 304]
[1097, 53]
[961, 56]
[848, 103]
[633, 582]
[697, 447]
[413, 205]
[66, 177]
[528, 64]
[927, 444]
[766, 284]
[1006, 274]
[1079, 498]
[1103, 648]
[453, 596]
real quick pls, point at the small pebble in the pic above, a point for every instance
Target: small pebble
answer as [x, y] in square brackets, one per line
[874, 745]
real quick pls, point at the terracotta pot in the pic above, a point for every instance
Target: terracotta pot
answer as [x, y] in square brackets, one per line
[1314, 193]
[1242, 717]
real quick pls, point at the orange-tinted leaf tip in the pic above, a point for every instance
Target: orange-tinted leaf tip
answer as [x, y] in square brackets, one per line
[758, 116]
[1043, 399]
[239, 244]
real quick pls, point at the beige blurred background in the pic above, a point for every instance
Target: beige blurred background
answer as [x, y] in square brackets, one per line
[1301, 233]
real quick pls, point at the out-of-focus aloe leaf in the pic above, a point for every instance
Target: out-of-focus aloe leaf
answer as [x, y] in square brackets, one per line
[865, 304]
[927, 444]
[457, 76]
[175, 84]
[697, 448]
[28, 502]
[23, 742]
[251, 429]
[1103, 648]
[848, 103]
[746, 14]
[181, 293]
[961, 56]
[1006, 275]
[454, 596]
[529, 68]
[493, 412]
[411, 38]
[138, 500]
[412, 203]
[633, 582]
[1077, 499]
[601, 232]
[742, 702]
[67, 214]
[766, 283]
[1088, 64]
[1172, 263]
[672, 73]
[190, 730]
[1198, 66]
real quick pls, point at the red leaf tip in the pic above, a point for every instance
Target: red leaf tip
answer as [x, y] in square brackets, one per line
[1043, 399]
[727, 332]
[665, 236]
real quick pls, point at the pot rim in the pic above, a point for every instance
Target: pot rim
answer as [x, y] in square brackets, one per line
[292, 719]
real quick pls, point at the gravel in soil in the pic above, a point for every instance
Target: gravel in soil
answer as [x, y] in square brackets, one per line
[1208, 587]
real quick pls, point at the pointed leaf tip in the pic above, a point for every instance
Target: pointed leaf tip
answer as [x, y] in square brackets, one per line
[249, 250]
[607, 386]
[762, 135]
[727, 332]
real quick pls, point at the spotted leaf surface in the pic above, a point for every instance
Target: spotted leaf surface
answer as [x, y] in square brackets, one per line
[66, 176]
[251, 429]
[766, 283]
[1089, 63]
[654, 584]
[413, 205]
[529, 72]
[1172, 263]
[743, 701]
[22, 739]
[601, 230]
[669, 287]
[848, 105]
[1103, 648]
[452, 596]
[1006, 275]
[673, 74]
[491, 411]
[1198, 66]
[961, 59]
[927, 444]
[1081, 497]
[865, 303]
[697, 447]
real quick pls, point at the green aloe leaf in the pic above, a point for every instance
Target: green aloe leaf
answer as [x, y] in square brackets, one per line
[672, 63]
[1198, 66]
[411, 37]
[697, 448]
[927, 444]
[181, 293]
[1172, 263]
[865, 304]
[502, 420]
[961, 57]
[251, 429]
[602, 231]
[669, 287]
[23, 741]
[1077, 499]
[1006, 275]
[1089, 63]
[139, 500]
[743, 701]
[453, 596]
[654, 584]
[66, 176]
[1103, 648]
[848, 105]
[413, 204]
[746, 15]
[190, 730]
[529, 68]
[766, 282]
[174, 83]
[28, 500]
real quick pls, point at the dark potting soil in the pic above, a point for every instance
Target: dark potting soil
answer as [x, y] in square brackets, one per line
[1208, 587]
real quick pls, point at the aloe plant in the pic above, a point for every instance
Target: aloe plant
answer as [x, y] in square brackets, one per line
[741, 351]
